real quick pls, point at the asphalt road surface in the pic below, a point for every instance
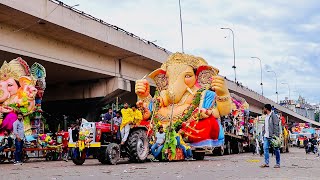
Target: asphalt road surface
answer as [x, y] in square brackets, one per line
[294, 165]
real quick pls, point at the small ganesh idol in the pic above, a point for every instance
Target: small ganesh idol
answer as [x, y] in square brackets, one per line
[17, 90]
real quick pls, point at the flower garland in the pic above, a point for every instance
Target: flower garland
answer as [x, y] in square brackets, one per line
[188, 112]
[171, 142]
[21, 107]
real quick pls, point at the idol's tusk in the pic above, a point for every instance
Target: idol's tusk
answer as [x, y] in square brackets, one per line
[145, 76]
[190, 91]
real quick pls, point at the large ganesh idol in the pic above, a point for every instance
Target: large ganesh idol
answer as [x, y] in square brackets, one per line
[17, 90]
[191, 99]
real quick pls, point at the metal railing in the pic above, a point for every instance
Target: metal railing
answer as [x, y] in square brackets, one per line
[107, 24]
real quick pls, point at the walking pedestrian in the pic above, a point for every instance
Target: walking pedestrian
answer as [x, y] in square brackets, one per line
[271, 130]
[18, 130]
[305, 144]
[73, 133]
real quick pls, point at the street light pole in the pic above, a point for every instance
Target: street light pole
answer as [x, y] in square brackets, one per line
[261, 73]
[288, 88]
[275, 74]
[234, 55]
[181, 28]
[75, 5]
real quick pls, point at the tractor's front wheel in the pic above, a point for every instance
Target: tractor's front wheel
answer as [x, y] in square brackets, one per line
[137, 145]
[102, 156]
[78, 158]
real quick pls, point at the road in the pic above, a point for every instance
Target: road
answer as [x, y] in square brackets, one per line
[295, 165]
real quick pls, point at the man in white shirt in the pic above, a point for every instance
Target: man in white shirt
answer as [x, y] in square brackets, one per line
[158, 145]
[18, 130]
[66, 157]
[117, 120]
[271, 130]
[70, 133]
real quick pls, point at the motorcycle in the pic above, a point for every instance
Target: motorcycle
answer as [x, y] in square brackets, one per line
[311, 148]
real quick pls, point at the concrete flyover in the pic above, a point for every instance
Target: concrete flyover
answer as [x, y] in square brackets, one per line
[87, 58]
[257, 101]
[88, 61]
[67, 42]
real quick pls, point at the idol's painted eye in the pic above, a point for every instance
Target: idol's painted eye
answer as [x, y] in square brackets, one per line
[187, 76]
[10, 84]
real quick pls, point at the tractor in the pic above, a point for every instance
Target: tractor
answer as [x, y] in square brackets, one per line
[103, 142]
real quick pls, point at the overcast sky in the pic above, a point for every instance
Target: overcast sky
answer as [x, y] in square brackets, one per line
[283, 34]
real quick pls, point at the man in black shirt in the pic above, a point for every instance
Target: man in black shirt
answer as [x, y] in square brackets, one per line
[305, 144]
[75, 133]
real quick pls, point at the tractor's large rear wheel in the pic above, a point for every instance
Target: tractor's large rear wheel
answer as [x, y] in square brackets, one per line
[78, 157]
[137, 146]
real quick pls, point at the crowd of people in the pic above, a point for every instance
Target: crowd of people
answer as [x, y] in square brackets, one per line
[133, 116]
[15, 139]
[311, 144]
[123, 119]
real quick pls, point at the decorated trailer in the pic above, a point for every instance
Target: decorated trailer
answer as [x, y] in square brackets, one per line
[236, 126]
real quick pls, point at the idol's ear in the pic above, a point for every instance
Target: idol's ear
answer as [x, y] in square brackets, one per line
[204, 75]
[25, 80]
[159, 77]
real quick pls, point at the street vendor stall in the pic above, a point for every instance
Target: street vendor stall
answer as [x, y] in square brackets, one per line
[39, 146]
